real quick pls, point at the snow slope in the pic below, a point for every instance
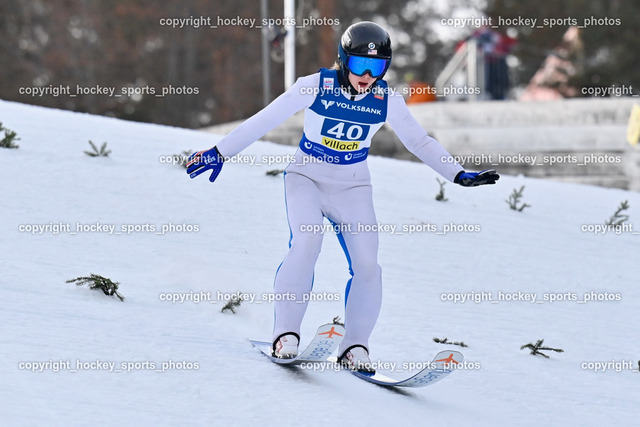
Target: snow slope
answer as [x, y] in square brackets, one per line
[231, 236]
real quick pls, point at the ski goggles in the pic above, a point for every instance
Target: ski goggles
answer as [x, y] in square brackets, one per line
[359, 65]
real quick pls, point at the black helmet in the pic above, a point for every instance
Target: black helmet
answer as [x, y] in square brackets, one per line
[366, 39]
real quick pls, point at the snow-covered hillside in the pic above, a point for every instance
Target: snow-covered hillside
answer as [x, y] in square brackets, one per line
[190, 364]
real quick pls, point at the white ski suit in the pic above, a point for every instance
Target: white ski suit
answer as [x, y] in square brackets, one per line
[330, 179]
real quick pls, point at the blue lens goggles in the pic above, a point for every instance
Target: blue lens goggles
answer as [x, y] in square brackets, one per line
[359, 65]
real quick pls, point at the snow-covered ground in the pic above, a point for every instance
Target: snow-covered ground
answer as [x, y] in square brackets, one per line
[193, 365]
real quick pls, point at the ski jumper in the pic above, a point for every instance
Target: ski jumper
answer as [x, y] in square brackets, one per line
[329, 178]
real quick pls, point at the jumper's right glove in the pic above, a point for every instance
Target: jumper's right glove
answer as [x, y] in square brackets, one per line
[204, 160]
[473, 179]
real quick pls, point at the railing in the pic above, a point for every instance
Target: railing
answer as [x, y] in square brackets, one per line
[468, 62]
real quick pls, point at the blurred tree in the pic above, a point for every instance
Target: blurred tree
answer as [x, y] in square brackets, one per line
[214, 75]
[209, 74]
[608, 31]
[422, 45]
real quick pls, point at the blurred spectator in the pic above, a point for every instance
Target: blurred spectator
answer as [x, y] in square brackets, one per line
[551, 81]
[494, 48]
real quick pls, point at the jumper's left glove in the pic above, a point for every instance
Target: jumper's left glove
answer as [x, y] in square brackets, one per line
[202, 161]
[473, 179]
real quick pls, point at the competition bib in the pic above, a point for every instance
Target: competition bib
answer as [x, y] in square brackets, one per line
[339, 130]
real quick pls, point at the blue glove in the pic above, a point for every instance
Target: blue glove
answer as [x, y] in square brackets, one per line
[473, 179]
[202, 161]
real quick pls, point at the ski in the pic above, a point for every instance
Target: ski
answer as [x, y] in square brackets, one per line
[441, 366]
[325, 342]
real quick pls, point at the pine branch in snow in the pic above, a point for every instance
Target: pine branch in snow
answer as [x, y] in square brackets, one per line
[107, 286]
[537, 348]
[232, 304]
[514, 200]
[440, 196]
[618, 218]
[445, 340]
[102, 152]
[9, 137]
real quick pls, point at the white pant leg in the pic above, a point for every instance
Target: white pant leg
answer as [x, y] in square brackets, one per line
[363, 296]
[294, 277]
